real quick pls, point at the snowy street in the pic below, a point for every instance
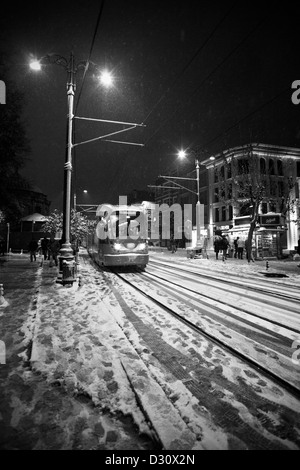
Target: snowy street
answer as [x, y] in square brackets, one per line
[169, 358]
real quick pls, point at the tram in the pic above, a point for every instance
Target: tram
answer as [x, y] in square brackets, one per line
[120, 236]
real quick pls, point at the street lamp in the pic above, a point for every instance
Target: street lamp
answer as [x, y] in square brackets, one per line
[66, 251]
[199, 207]
[85, 191]
[199, 213]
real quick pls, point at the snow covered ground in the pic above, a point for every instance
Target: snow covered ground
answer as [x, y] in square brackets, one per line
[83, 341]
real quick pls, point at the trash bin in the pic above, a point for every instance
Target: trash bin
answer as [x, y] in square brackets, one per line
[68, 272]
[192, 252]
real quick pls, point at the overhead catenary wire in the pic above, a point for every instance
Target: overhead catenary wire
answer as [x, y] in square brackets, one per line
[258, 25]
[191, 60]
[82, 84]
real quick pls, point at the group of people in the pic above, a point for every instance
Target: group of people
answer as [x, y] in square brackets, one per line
[222, 246]
[48, 248]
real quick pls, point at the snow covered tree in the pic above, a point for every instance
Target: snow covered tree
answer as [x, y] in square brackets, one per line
[80, 227]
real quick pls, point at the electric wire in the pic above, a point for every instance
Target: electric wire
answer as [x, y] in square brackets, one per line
[200, 49]
[81, 88]
[258, 25]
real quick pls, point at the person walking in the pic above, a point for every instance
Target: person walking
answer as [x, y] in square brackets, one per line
[235, 243]
[224, 244]
[241, 246]
[2, 247]
[33, 246]
[54, 247]
[217, 245]
[45, 247]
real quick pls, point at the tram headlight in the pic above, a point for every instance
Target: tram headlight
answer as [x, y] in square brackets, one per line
[117, 246]
[142, 246]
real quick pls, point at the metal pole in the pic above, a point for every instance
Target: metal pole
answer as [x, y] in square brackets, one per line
[66, 252]
[198, 207]
[7, 241]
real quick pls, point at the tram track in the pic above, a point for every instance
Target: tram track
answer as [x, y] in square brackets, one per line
[291, 291]
[166, 300]
[287, 384]
[160, 277]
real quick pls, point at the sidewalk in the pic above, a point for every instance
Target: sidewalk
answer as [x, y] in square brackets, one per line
[38, 410]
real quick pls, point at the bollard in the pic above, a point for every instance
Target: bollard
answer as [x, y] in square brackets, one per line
[267, 265]
[68, 272]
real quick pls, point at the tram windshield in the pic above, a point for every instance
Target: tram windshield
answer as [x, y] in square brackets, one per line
[123, 225]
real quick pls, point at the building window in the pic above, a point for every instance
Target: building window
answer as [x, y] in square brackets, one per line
[279, 168]
[216, 198]
[216, 176]
[262, 166]
[230, 212]
[243, 166]
[229, 191]
[229, 172]
[298, 169]
[223, 213]
[273, 188]
[217, 215]
[271, 167]
[264, 208]
[280, 188]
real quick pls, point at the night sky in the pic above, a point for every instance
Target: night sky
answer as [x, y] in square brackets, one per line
[200, 74]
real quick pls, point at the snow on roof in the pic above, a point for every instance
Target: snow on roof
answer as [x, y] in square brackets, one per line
[36, 217]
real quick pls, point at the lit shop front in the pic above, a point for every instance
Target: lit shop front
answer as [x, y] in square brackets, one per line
[270, 236]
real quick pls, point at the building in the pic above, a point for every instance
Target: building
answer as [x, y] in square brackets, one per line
[36, 207]
[275, 169]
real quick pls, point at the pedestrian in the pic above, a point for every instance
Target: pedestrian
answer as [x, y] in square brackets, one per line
[224, 244]
[2, 247]
[235, 247]
[45, 247]
[33, 246]
[173, 246]
[241, 246]
[218, 245]
[54, 247]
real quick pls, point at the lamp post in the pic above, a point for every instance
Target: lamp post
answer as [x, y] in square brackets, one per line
[66, 251]
[7, 238]
[199, 213]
